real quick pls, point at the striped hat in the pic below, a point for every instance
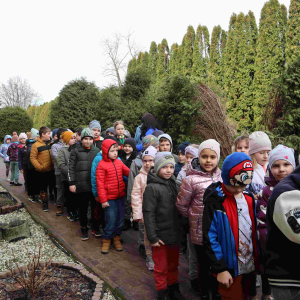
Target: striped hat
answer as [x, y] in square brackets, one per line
[162, 159]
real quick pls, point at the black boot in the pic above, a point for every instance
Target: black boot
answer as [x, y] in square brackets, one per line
[162, 295]
[174, 292]
[126, 225]
[135, 226]
[195, 286]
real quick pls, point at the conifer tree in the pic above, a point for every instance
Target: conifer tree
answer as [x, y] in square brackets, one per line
[145, 61]
[270, 58]
[153, 57]
[187, 60]
[163, 61]
[293, 33]
[173, 59]
[131, 65]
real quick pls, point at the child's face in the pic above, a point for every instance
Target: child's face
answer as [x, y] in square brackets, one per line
[113, 152]
[148, 162]
[87, 142]
[235, 190]
[189, 157]
[208, 160]
[166, 172]
[281, 168]
[8, 141]
[164, 146]
[55, 137]
[157, 148]
[119, 130]
[72, 141]
[46, 136]
[243, 146]
[128, 149]
[110, 133]
[262, 157]
[78, 137]
[96, 132]
[22, 141]
[181, 158]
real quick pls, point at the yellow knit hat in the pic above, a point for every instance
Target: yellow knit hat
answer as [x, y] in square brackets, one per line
[67, 135]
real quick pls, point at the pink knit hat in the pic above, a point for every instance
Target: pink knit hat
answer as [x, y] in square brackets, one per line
[23, 135]
[259, 141]
[211, 145]
[14, 138]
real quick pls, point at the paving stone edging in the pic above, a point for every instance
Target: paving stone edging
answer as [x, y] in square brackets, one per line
[84, 272]
[10, 208]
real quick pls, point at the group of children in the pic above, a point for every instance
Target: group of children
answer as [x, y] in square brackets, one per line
[223, 213]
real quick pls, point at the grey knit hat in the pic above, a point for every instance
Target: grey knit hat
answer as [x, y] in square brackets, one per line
[95, 124]
[162, 159]
[87, 132]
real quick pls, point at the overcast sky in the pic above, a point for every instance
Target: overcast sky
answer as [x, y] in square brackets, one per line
[52, 42]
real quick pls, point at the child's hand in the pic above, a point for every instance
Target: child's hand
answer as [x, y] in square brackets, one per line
[225, 278]
[160, 242]
[105, 204]
[256, 196]
[72, 188]
[21, 171]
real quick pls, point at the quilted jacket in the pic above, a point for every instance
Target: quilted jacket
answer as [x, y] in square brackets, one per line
[13, 152]
[4, 148]
[190, 197]
[109, 175]
[63, 162]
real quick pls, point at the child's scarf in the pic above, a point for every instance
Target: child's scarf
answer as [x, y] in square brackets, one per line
[121, 139]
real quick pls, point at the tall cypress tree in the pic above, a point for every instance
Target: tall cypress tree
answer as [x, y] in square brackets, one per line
[131, 67]
[173, 68]
[270, 58]
[187, 62]
[153, 57]
[293, 33]
[145, 61]
[163, 61]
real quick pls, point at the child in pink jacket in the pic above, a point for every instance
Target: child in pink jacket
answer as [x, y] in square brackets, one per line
[140, 183]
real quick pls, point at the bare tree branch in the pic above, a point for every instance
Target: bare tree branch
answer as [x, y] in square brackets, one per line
[18, 92]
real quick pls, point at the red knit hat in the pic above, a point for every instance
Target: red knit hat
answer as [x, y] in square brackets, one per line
[15, 138]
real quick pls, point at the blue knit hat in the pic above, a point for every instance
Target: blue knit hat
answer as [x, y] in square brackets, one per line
[54, 131]
[95, 124]
[182, 146]
[237, 169]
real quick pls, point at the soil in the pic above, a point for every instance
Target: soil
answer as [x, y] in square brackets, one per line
[62, 283]
[7, 200]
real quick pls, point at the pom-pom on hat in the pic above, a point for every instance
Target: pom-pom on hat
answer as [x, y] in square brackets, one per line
[192, 150]
[14, 138]
[151, 151]
[162, 159]
[237, 169]
[95, 124]
[182, 146]
[23, 135]
[211, 145]
[282, 153]
[259, 141]
[131, 142]
[66, 136]
[34, 133]
[150, 140]
[87, 132]
[28, 135]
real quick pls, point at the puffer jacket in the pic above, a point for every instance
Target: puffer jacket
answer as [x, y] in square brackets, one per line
[134, 171]
[109, 175]
[22, 157]
[80, 164]
[161, 218]
[13, 152]
[190, 197]
[4, 148]
[29, 144]
[41, 156]
[63, 162]
[139, 186]
[54, 149]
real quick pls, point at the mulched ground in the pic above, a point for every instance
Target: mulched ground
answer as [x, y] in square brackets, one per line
[7, 199]
[61, 284]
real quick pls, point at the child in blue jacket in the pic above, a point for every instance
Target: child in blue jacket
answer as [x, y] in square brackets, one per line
[3, 154]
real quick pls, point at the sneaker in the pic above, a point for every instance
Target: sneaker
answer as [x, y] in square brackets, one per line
[71, 217]
[18, 184]
[11, 183]
[84, 233]
[45, 206]
[7, 179]
[59, 211]
[149, 263]
[142, 251]
[127, 225]
[96, 233]
[257, 283]
[33, 199]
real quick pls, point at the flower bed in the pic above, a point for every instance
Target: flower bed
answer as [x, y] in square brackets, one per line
[8, 202]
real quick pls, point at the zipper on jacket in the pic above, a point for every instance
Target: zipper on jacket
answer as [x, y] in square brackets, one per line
[117, 180]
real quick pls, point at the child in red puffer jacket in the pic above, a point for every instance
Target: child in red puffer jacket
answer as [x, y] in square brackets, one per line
[111, 192]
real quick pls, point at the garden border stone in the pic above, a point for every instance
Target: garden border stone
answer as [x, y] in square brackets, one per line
[8, 208]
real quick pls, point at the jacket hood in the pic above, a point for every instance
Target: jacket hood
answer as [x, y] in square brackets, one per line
[105, 148]
[194, 168]
[166, 136]
[269, 178]
[29, 141]
[7, 137]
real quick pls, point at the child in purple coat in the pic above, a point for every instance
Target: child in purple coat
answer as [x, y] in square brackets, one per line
[281, 164]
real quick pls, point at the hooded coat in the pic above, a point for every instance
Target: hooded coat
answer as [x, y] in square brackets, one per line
[190, 198]
[167, 136]
[4, 148]
[109, 175]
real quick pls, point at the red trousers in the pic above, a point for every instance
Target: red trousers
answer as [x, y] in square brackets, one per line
[166, 261]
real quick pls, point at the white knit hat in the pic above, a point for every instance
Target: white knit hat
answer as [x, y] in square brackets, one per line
[211, 145]
[23, 135]
[150, 151]
[259, 141]
[192, 150]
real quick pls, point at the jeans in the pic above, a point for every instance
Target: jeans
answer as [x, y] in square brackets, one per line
[285, 293]
[14, 176]
[192, 260]
[114, 217]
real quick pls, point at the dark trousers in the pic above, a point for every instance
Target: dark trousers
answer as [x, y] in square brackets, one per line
[25, 175]
[99, 214]
[44, 180]
[204, 275]
[32, 182]
[71, 199]
[166, 261]
[7, 166]
[84, 199]
[114, 218]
